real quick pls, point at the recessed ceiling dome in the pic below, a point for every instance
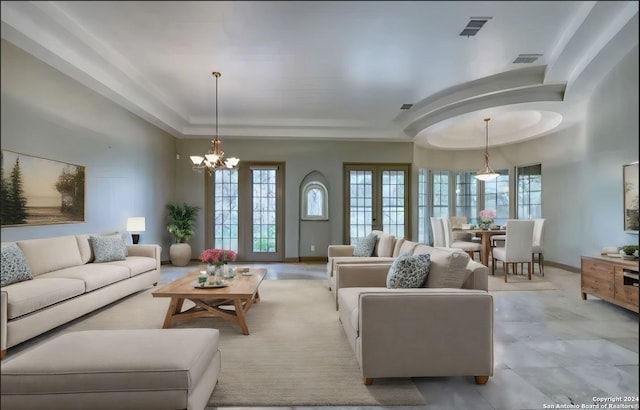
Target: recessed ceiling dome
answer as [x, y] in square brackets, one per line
[509, 126]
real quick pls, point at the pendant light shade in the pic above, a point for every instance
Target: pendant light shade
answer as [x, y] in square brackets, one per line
[486, 173]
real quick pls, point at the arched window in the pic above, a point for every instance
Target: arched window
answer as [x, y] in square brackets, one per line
[315, 201]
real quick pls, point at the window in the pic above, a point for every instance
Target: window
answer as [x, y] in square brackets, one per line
[376, 198]
[440, 193]
[315, 201]
[496, 196]
[529, 188]
[467, 196]
[423, 203]
[225, 211]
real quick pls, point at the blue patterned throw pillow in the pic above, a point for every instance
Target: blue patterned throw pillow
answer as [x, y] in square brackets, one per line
[409, 271]
[365, 246]
[108, 248]
[14, 267]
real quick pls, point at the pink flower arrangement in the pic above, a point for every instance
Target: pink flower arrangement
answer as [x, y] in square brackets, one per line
[217, 256]
[487, 215]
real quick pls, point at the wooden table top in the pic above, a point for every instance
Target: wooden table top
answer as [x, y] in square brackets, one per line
[242, 286]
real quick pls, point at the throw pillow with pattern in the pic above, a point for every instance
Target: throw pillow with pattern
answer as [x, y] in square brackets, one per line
[14, 267]
[108, 248]
[409, 271]
[366, 245]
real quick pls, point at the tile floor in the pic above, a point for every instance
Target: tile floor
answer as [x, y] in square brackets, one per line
[551, 348]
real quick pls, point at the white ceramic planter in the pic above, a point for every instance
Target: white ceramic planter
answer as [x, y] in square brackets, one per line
[180, 254]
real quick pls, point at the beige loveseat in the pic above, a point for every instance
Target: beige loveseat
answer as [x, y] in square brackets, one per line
[387, 249]
[419, 332]
[67, 284]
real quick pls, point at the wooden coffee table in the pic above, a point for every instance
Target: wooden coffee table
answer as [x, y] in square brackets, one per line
[241, 293]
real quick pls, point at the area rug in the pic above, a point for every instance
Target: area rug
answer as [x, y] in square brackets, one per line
[296, 353]
[518, 282]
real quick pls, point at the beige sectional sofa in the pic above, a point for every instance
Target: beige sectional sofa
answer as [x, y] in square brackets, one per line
[67, 284]
[443, 329]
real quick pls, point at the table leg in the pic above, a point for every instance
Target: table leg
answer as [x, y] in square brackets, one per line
[240, 316]
[175, 306]
[486, 248]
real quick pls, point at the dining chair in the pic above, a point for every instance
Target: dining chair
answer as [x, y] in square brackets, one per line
[518, 247]
[438, 232]
[450, 241]
[538, 243]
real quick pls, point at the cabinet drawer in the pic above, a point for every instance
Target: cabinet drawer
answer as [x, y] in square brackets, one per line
[597, 279]
[596, 269]
[625, 293]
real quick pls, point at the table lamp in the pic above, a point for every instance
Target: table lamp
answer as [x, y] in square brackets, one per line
[135, 225]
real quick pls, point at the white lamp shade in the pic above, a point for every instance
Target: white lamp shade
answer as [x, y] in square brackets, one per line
[196, 159]
[135, 224]
[212, 158]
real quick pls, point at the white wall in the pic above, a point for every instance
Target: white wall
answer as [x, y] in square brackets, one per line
[129, 162]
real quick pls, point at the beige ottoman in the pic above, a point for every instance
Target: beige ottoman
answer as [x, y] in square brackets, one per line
[115, 369]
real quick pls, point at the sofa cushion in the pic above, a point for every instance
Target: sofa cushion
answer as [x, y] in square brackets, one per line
[365, 246]
[137, 264]
[49, 254]
[94, 275]
[384, 245]
[31, 295]
[448, 269]
[407, 247]
[108, 248]
[14, 267]
[409, 271]
[397, 246]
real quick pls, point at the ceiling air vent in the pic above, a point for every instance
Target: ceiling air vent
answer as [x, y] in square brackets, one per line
[474, 25]
[526, 58]
[406, 106]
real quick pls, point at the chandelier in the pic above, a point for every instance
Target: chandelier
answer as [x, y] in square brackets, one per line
[486, 173]
[214, 158]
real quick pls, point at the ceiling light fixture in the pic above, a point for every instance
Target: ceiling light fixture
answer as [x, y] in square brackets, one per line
[214, 158]
[486, 173]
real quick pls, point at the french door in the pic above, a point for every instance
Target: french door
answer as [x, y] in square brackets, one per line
[245, 211]
[376, 198]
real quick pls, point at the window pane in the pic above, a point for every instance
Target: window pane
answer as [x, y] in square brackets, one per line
[496, 196]
[225, 209]
[529, 199]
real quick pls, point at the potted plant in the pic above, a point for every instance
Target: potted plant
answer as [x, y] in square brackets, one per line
[629, 252]
[181, 220]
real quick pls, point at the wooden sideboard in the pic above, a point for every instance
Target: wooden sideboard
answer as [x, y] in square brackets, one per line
[612, 279]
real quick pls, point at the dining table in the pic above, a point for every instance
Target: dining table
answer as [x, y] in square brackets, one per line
[485, 240]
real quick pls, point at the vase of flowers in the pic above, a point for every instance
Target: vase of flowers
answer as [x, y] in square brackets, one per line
[487, 216]
[216, 259]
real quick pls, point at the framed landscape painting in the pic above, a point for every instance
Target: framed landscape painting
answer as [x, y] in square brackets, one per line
[630, 181]
[39, 191]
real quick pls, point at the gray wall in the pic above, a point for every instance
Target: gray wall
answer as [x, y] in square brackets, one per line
[301, 157]
[129, 162]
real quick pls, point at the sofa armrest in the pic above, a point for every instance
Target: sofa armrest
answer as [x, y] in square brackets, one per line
[478, 277]
[429, 332]
[4, 300]
[362, 275]
[150, 251]
[340, 250]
